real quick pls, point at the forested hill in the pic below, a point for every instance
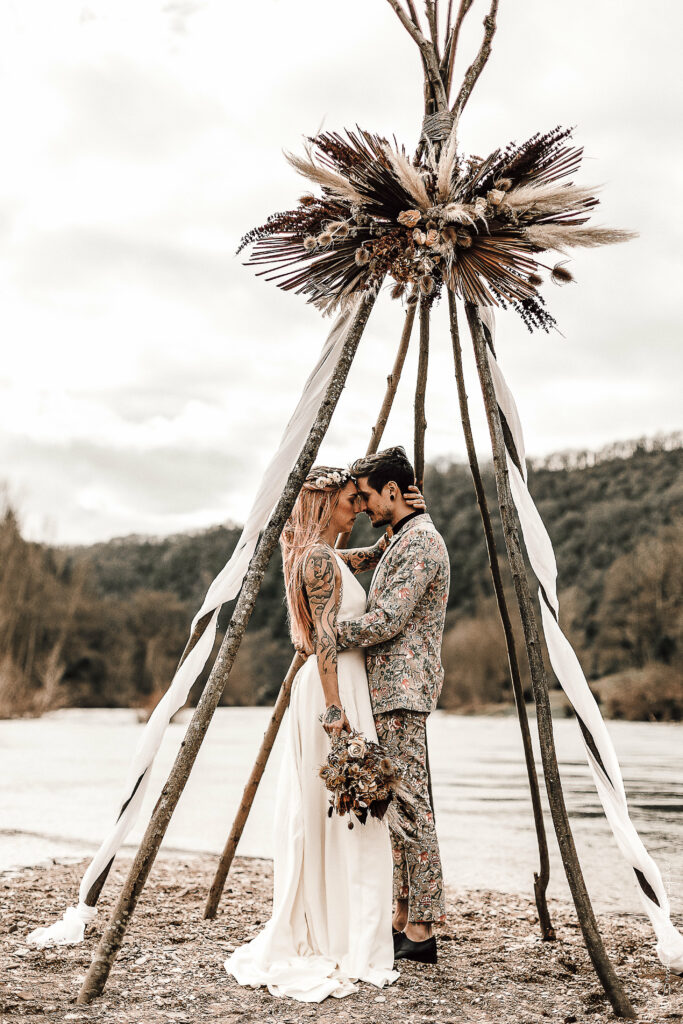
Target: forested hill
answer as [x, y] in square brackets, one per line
[108, 622]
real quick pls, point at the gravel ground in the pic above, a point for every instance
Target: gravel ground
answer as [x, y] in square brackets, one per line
[492, 965]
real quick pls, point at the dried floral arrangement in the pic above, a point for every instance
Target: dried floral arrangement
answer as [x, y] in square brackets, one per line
[363, 781]
[475, 225]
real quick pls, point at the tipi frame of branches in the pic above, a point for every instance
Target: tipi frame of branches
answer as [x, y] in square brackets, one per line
[437, 47]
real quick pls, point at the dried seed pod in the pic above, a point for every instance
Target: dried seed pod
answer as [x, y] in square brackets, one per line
[463, 239]
[504, 184]
[535, 280]
[412, 298]
[398, 290]
[495, 196]
[362, 256]
[427, 265]
[432, 237]
[419, 236]
[338, 227]
[431, 225]
[310, 243]
[409, 218]
[560, 274]
[426, 284]
[325, 238]
[449, 234]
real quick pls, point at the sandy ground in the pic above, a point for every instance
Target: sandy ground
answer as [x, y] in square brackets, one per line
[492, 965]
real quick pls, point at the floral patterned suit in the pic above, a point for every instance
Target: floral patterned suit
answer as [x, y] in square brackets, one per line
[402, 629]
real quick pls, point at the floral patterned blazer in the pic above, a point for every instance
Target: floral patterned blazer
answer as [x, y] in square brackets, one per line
[403, 624]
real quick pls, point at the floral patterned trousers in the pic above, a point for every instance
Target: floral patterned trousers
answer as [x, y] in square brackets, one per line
[417, 864]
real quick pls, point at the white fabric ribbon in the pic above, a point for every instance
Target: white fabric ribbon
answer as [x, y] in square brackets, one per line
[601, 755]
[68, 930]
[224, 588]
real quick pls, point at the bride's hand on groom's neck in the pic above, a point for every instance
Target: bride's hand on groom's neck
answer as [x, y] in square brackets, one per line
[414, 497]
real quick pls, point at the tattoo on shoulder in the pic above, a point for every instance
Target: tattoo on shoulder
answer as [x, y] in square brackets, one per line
[320, 572]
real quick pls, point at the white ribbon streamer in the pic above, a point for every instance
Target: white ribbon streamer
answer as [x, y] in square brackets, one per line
[601, 755]
[224, 588]
[70, 928]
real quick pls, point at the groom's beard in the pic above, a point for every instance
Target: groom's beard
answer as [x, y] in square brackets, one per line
[380, 520]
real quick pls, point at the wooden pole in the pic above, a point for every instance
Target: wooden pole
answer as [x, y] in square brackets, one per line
[251, 788]
[111, 940]
[613, 987]
[542, 877]
[420, 389]
[392, 383]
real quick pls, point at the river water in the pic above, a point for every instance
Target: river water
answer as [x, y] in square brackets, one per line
[61, 778]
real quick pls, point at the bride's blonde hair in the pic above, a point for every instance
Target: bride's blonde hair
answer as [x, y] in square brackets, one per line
[311, 515]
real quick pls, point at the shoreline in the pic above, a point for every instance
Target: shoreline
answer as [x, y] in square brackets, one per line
[492, 966]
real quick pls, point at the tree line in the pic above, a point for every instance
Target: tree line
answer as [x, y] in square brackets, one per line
[104, 625]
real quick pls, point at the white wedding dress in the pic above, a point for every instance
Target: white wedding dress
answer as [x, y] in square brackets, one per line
[331, 921]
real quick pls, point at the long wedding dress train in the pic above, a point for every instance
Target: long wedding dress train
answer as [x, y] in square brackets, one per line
[331, 920]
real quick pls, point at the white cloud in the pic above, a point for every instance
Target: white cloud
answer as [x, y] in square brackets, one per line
[147, 374]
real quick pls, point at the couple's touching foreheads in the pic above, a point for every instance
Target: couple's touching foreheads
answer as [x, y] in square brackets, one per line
[349, 901]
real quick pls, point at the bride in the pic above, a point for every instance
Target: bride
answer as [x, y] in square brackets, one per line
[331, 920]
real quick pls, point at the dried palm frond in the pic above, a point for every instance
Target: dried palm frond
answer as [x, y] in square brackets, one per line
[475, 225]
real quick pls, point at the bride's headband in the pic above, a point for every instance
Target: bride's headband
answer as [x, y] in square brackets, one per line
[330, 478]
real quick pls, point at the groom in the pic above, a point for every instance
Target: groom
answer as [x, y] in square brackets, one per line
[402, 629]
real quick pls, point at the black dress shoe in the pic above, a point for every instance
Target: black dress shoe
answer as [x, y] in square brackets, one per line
[423, 952]
[397, 936]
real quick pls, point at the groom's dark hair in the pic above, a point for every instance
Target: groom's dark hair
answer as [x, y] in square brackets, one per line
[391, 464]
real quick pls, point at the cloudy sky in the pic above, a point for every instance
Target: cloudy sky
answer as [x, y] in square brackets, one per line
[147, 374]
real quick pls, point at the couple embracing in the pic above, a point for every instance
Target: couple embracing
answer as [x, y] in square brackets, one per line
[375, 669]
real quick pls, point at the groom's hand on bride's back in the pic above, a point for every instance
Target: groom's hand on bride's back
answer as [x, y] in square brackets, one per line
[413, 497]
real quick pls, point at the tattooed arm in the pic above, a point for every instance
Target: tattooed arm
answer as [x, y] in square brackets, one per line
[363, 559]
[322, 582]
